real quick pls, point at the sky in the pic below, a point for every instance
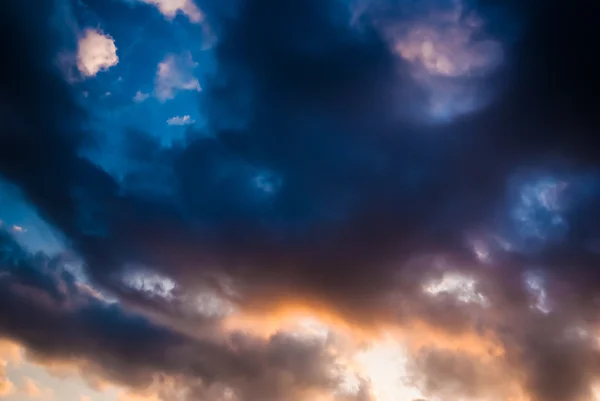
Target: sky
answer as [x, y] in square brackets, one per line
[311, 200]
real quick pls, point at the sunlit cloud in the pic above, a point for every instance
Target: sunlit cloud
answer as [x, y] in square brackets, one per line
[132, 396]
[385, 365]
[173, 74]
[170, 8]
[308, 240]
[6, 386]
[195, 302]
[96, 52]
[151, 284]
[448, 54]
[30, 388]
[10, 352]
[463, 287]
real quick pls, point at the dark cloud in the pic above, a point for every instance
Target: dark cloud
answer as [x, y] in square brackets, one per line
[53, 317]
[312, 182]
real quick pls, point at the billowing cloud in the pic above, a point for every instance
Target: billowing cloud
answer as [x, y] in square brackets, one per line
[175, 73]
[314, 240]
[96, 51]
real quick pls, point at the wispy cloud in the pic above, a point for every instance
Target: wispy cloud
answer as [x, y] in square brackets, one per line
[140, 97]
[173, 74]
[96, 52]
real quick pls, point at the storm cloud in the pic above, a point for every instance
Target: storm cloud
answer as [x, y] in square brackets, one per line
[382, 163]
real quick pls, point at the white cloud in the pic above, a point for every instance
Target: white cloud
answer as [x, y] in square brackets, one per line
[462, 287]
[151, 284]
[140, 97]
[96, 52]
[170, 8]
[180, 120]
[173, 74]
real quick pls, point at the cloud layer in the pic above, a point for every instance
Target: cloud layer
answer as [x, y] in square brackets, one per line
[316, 237]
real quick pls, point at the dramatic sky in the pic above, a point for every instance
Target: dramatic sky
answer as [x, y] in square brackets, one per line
[301, 200]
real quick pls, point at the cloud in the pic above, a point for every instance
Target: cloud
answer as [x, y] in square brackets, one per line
[96, 52]
[254, 365]
[30, 388]
[173, 74]
[6, 386]
[170, 8]
[140, 97]
[314, 227]
[448, 51]
[10, 352]
[180, 120]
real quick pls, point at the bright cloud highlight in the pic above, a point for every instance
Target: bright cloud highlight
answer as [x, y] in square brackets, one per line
[96, 52]
[170, 8]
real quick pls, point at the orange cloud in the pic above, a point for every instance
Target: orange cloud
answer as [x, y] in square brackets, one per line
[30, 388]
[6, 386]
[10, 351]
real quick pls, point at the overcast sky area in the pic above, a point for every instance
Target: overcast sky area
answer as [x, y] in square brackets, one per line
[302, 200]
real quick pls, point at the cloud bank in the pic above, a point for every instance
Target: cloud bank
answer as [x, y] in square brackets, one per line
[318, 238]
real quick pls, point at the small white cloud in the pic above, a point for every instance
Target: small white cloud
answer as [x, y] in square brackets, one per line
[170, 8]
[180, 120]
[173, 74]
[462, 287]
[140, 97]
[19, 229]
[96, 52]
